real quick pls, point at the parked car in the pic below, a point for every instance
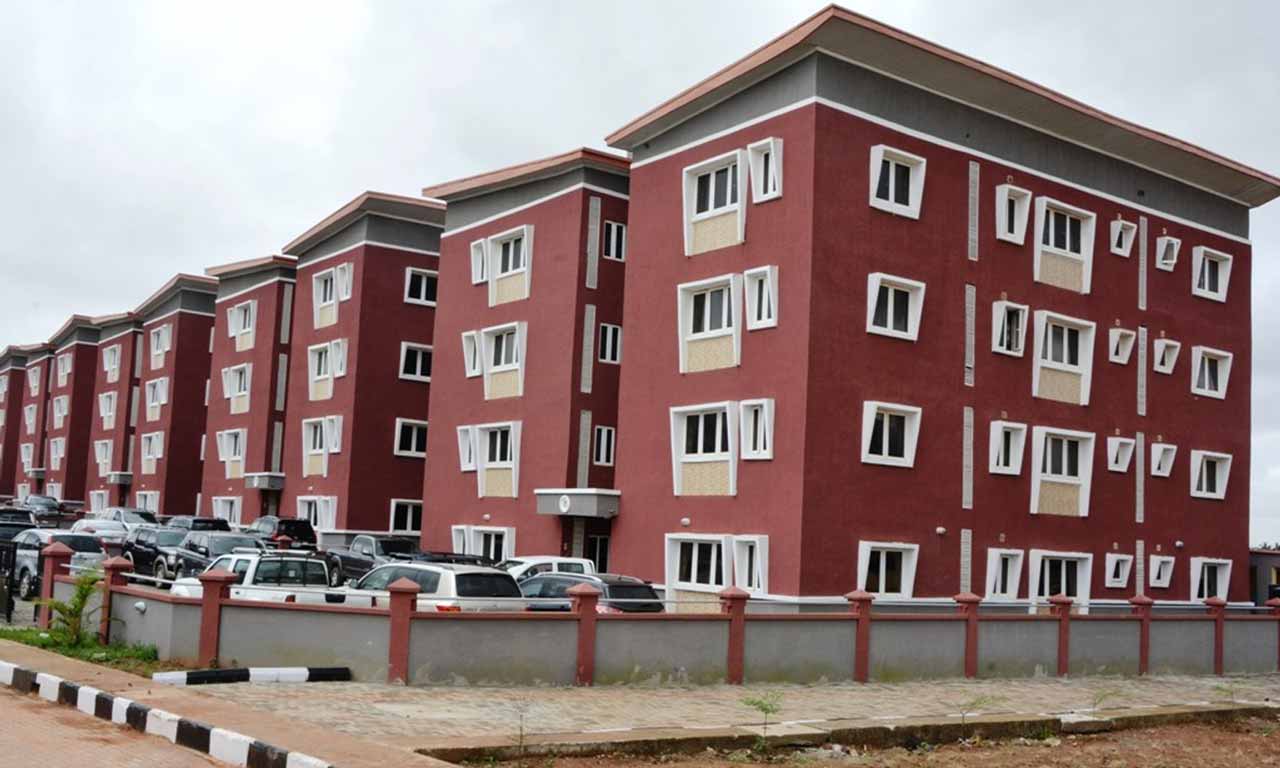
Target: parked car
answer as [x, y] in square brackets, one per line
[272, 529]
[132, 518]
[42, 505]
[614, 588]
[86, 553]
[149, 548]
[279, 575]
[367, 551]
[199, 548]
[192, 523]
[108, 532]
[442, 587]
[524, 567]
[14, 521]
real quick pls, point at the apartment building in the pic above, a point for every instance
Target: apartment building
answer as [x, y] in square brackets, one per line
[363, 314]
[177, 333]
[113, 425]
[29, 470]
[524, 398]
[244, 435]
[918, 326]
[13, 363]
[69, 417]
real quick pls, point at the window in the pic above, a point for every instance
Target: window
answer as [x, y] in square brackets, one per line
[1166, 355]
[1013, 207]
[467, 449]
[1062, 345]
[706, 435]
[1162, 456]
[610, 343]
[894, 305]
[1118, 569]
[1211, 577]
[762, 297]
[503, 352]
[240, 321]
[1210, 273]
[227, 508]
[29, 418]
[757, 429]
[1063, 362]
[510, 255]
[1210, 369]
[157, 392]
[231, 445]
[161, 341]
[491, 544]
[889, 433]
[1008, 440]
[4, 388]
[61, 405]
[33, 381]
[716, 190]
[406, 516]
[897, 181]
[712, 312]
[324, 296]
[1123, 234]
[415, 361]
[766, 169]
[235, 380]
[1059, 576]
[1064, 245]
[102, 456]
[411, 438]
[153, 446]
[604, 444]
[887, 569]
[64, 368]
[699, 562]
[325, 362]
[107, 409]
[1209, 474]
[1119, 453]
[57, 451]
[1167, 252]
[1061, 460]
[1063, 231]
[498, 447]
[707, 318]
[420, 286]
[1008, 328]
[1004, 573]
[615, 241]
[1120, 345]
[471, 354]
[97, 501]
[1160, 571]
[148, 500]
[320, 511]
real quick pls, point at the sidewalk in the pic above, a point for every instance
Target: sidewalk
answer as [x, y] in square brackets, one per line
[302, 735]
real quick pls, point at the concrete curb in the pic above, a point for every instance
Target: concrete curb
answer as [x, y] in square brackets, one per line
[255, 675]
[899, 733]
[226, 746]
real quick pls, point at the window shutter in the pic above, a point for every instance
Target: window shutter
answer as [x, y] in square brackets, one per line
[515, 457]
[477, 262]
[248, 377]
[467, 448]
[158, 442]
[226, 383]
[508, 543]
[222, 445]
[338, 357]
[163, 391]
[333, 433]
[231, 323]
[343, 277]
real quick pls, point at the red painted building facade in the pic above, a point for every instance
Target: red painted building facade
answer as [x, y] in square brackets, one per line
[13, 362]
[244, 435]
[70, 409]
[524, 398]
[112, 429]
[360, 370]
[29, 471]
[923, 344]
[177, 323]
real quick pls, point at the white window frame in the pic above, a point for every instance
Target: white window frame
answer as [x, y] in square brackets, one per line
[61, 406]
[152, 446]
[672, 543]
[157, 392]
[1172, 246]
[29, 418]
[1198, 358]
[765, 189]
[391, 523]
[1084, 365]
[469, 539]
[763, 407]
[1084, 574]
[482, 455]
[471, 354]
[761, 282]
[97, 501]
[1017, 234]
[1120, 453]
[1154, 567]
[405, 347]
[522, 233]
[57, 452]
[427, 275]
[1084, 478]
[102, 450]
[684, 315]
[1088, 222]
[26, 451]
[147, 500]
[604, 446]
[917, 166]
[33, 381]
[241, 319]
[1224, 579]
[326, 511]
[468, 448]
[1120, 342]
[414, 424]
[317, 303]
[335, 360]
[1164, 357]
[915, 308]
[609, 339]
[678, 415]
[690, 176]
[160, 340]
[999, 312]
[911, 432]
[754, 580]
[479, 262]
[994, 555]
[1199, 255]
[511, 330]
[733, 191]
[614, 245]
[234, 384]
[311, 429]
[1163, 456]
[1124, 233]
[233, 508]
[1125, 562]
[1017, 447]
[910, 557]
[63, 364]
[1198, 459]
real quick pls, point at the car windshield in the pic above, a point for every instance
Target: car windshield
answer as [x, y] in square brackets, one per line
[309, 573]
[630, 592]
[507, 565]
[209, 524]
[298, 530]
[14, 516]
[221, 545]
[399, 546]
[137, 518]
[487, 585]
[42, 501]
[169, 538]
[104, 525]
[78, 542]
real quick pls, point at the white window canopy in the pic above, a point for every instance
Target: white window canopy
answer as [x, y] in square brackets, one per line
[1013, 208]
[1167, 252]
[1119, 453]
[1209, 472]
[1210, 273]
[897, 181]
[1123, 233]
[766, 169]
[1007, 444]
[1008, 328]
[894, 306]
[889, 433]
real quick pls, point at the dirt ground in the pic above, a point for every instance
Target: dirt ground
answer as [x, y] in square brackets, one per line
[1254, 742]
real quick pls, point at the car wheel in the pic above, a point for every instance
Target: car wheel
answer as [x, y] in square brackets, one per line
[26, 586]
[159, 572]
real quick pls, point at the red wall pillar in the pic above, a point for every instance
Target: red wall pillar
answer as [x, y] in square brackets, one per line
[114, 570]
[967, 606]
[1142, 609]
[56, 557]
[1274, 605]
[1061, 607]
[733, 601]
[215, 588]
[860, 606]
[585, 599]
[404, 598]
[1218, 610]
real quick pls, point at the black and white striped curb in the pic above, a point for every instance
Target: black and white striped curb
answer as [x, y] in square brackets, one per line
[255, 675]
[220, 744]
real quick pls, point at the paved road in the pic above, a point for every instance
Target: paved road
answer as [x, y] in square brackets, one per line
[36, 732]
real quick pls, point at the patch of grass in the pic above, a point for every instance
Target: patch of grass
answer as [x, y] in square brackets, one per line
[138, 659]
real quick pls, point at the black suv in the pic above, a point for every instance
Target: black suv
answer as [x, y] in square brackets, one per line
[271, 529]
[191, 523]
[148, 549]
[200, 548]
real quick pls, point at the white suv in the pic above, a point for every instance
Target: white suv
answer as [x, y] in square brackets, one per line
[442, 587]
[524, 567]
[274, 576]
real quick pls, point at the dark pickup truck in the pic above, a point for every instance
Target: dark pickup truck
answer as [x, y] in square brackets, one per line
[367, 551]
[14, 522]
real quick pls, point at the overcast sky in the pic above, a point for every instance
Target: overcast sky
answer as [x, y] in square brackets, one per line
[142, 139]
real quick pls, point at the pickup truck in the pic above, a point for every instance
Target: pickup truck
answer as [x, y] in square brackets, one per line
[14, 522]
[368, 551]
[278, 576]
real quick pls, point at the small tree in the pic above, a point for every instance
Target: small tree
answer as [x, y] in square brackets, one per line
[69, 617]
[767, 703]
